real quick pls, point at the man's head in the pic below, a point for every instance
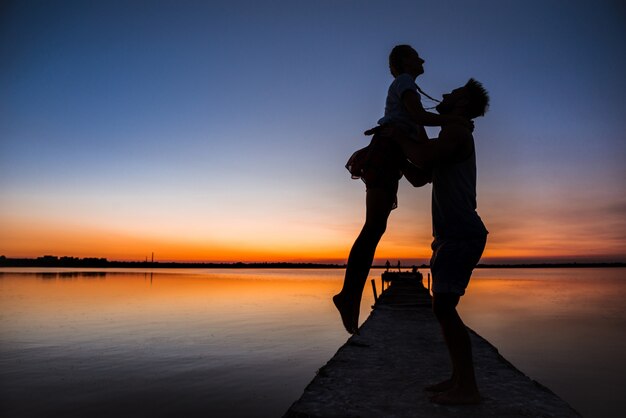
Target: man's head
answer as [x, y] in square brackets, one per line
[404, 59]
[471, 100]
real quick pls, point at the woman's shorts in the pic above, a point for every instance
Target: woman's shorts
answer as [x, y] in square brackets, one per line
[379, 164]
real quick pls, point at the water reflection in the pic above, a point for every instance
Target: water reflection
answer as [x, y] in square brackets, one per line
[236, 342]
[71, 275]
[226, 343]
[562, 327]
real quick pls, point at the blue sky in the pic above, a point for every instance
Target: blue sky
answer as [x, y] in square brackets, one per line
[219, 130]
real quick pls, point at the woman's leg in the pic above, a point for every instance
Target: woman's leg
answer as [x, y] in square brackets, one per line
[379, 202]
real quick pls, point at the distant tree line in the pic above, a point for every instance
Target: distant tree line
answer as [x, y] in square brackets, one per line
[54, 261]
[65, 261]
[93, 262]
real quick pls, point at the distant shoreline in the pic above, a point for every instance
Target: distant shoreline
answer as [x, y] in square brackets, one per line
[75, 262]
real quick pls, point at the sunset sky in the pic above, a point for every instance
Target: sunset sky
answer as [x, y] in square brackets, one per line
[219, 130]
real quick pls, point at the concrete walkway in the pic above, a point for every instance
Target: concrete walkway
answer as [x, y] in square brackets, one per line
[381, 373]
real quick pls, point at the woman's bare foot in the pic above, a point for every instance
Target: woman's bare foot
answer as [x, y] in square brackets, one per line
[346, 310]
[456, 396]
[441, 386]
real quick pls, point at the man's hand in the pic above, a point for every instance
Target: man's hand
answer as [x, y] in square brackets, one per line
[372, 131]
[382, 130]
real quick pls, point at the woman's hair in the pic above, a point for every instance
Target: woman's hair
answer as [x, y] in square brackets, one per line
[397, 57]
[478, 98]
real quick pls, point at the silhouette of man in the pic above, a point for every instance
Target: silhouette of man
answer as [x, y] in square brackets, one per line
[459, 234]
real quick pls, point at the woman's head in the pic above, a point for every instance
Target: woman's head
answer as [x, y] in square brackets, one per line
[404, 59]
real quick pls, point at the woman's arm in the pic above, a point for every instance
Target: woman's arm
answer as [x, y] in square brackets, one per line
[412, 103]
[453, 144]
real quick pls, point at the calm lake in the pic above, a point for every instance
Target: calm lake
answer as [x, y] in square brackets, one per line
[245, 343]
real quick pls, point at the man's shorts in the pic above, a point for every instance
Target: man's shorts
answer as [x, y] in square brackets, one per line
[453, 261]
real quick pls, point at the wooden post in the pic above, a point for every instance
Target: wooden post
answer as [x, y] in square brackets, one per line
[374, 290]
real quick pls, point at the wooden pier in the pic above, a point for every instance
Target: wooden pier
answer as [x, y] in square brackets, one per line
[382, 372]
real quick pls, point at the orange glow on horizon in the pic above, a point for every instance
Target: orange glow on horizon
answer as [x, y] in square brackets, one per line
[32, 239]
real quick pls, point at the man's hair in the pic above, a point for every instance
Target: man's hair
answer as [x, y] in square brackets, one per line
[478, 98]
[397, 56]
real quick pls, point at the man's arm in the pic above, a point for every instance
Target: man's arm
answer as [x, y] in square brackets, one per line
[416, 176]
[453, 144]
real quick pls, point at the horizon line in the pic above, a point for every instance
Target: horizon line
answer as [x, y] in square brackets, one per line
[71, 261]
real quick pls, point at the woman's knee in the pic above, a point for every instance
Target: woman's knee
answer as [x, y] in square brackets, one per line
[375, 229]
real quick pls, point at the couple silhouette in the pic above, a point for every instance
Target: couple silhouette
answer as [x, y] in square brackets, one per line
[400, 147]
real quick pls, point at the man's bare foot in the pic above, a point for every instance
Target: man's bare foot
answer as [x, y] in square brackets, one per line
[441, 386]
[456, 396]
[348, 318]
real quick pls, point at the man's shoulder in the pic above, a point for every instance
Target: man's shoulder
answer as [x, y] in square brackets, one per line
[457, 141]
[456, 133]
